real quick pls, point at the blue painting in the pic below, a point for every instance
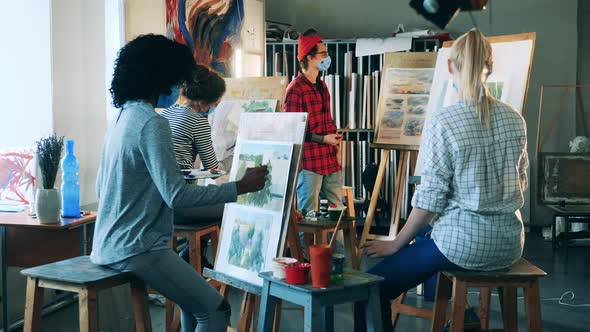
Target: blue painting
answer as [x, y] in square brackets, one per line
[211, 28]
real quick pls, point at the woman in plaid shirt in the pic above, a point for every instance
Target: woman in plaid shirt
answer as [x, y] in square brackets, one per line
[471, 188]
[321, 171]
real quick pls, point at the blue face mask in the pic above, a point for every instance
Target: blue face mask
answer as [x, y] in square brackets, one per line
[325, 63]
[210, 111]
[165, 101]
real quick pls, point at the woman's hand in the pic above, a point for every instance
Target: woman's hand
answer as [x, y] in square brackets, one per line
[376, 248]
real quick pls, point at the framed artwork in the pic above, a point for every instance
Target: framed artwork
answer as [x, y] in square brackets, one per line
[17, 176]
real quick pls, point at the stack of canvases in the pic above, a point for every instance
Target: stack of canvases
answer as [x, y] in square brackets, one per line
[354, 100]
[251, 228]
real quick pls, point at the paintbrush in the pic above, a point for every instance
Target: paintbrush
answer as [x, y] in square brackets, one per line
[343, 129]
[231, 147]
[336, 229]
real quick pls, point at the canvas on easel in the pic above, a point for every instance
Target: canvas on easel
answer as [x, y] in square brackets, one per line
[254, 229]
[400, 116]
[512, 56]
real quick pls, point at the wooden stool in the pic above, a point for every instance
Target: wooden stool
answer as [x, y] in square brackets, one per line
[80, 276]
[194, 233]
[317, 233]
[319, 303]
[521, 274]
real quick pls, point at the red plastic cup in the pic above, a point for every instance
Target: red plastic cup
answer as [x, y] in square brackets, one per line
[297, 273]
[321, 265]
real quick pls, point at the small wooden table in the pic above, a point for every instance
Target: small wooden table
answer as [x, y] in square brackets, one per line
[32, 243]
[319, 302]
[319, 231]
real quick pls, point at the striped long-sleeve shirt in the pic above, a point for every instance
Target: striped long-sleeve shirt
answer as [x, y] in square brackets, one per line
[191, 136]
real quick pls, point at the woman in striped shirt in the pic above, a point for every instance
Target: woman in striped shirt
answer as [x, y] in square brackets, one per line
[191, 136]
[191, 131]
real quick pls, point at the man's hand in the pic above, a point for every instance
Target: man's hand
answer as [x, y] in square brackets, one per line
[253, 180]
[380, 248]
[333, 139]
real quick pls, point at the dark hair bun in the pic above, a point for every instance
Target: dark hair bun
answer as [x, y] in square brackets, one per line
[204, 85]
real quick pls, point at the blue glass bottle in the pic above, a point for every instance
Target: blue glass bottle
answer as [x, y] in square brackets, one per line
[70, 187]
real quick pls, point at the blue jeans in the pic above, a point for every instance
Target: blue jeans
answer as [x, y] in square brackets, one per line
[203, 309]
[310, 184]
[406, 269]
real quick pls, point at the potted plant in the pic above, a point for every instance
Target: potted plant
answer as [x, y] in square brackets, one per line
[47, 199]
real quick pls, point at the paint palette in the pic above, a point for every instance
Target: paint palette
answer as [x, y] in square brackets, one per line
[196, 174]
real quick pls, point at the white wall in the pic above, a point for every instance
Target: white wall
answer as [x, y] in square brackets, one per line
[144, 16]
[583, 59]
[555, 61]
[79, 99]
[25, 72]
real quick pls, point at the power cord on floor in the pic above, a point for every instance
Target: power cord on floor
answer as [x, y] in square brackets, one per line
[562, 300]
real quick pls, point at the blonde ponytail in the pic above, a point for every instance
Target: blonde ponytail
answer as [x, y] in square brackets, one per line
[472, 56]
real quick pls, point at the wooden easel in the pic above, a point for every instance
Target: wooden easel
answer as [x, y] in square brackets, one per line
[401, 178]
[289, 234]
[251, 297]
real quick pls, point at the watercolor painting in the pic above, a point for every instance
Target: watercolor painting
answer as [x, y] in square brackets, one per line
[409, 80]
[495, 89]
[413, 126]
[249, 241]
[259, 106]
[393, 119]
[403, 105]
[226, 118]
[277, 157]
[417, 105]
[394, 102]
[17, 176]
[210, 28]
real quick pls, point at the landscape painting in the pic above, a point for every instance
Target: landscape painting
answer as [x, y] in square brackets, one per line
[277, 157]
[249, 241]
[403, 105]
[259, 106]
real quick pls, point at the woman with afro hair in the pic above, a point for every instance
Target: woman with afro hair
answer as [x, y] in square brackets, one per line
[139, 184]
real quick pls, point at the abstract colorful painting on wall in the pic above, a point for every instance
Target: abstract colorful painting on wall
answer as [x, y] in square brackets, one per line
[211, 28]
[17, 176]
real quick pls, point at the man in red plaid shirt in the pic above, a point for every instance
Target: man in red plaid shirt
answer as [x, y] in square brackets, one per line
[321, 170]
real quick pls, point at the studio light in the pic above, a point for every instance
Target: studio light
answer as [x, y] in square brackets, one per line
[441, 12]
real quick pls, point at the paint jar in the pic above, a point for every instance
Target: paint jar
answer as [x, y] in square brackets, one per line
[321, 265]
[337, 266]
[278, 266]
[297, 273]
[323, 206]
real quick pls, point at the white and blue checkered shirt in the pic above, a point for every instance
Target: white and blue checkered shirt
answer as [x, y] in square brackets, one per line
[474, 178]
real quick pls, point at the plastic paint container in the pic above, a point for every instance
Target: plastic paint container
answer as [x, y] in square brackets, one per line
[321, 265]
[278, 266]
[337, 266]
[297, 273]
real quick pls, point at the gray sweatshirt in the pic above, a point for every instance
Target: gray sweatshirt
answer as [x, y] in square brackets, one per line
[138, 185]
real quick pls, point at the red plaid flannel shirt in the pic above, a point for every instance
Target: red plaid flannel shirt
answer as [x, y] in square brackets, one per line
[303, 96]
